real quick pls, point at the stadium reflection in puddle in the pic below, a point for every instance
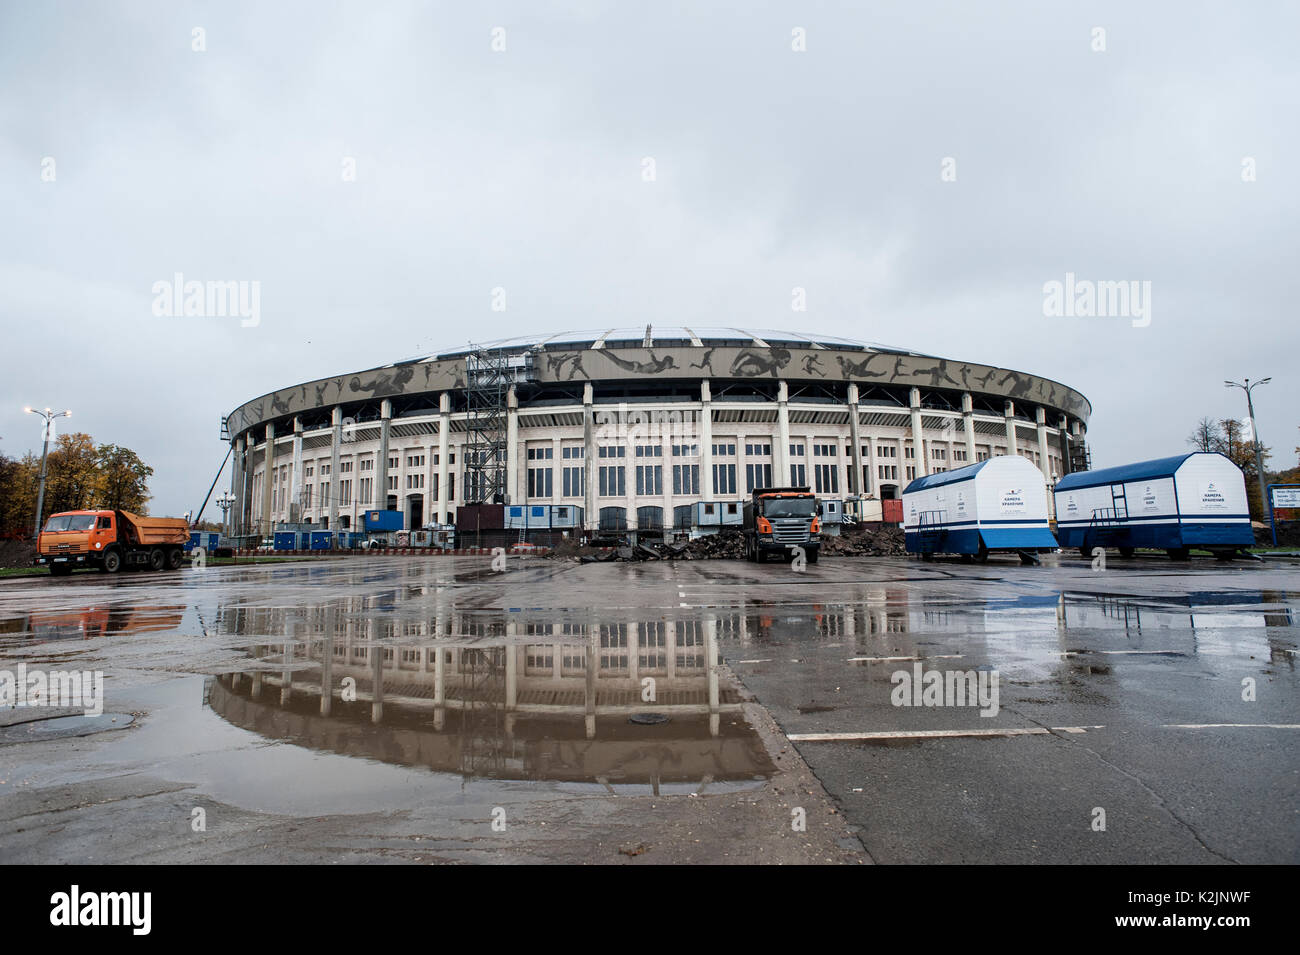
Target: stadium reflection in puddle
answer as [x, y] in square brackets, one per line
[486, 694]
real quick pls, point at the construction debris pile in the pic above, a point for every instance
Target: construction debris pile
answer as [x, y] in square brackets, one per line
[857, 540]
[866, 540]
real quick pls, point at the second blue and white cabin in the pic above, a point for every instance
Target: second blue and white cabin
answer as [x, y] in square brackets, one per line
[999, 504]
[1171, 504]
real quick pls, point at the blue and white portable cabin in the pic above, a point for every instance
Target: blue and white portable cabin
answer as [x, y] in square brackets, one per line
[714, 515]
[1170, 504]
[520, 516]
[999, 504]
[831, 511]
[565, 515]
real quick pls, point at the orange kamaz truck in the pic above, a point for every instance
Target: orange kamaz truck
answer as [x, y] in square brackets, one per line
[110, 540]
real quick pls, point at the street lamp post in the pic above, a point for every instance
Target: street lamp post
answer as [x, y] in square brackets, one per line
[1254, 433]
[225, 502]
[49, 417]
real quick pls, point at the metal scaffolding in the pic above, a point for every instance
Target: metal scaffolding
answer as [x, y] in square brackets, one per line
[487, 381]
[483, 731]
[490, 373]
[1080, 456]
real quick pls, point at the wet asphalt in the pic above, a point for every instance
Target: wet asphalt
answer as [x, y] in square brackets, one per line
[1121, 733]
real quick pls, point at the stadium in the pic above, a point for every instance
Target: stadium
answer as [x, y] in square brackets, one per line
[633, 431]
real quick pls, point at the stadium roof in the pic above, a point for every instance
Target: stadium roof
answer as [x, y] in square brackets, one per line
[662, 336]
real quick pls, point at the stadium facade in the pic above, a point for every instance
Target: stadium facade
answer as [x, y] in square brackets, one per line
[634, 429]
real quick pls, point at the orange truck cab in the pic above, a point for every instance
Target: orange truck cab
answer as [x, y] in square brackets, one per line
[110, 540]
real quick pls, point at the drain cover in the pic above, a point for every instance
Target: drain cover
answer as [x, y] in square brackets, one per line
[57, 726]
[648, 718]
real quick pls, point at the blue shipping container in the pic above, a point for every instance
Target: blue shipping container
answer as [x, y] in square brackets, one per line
[383, 520]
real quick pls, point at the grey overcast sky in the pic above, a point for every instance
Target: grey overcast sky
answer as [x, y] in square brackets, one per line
[522, 169]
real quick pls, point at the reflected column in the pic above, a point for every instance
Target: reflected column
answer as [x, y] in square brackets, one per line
[711, 658]
[327, 663]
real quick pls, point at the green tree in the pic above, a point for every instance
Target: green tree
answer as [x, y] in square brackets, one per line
[123, 479]
[72, 478]
[17, 494]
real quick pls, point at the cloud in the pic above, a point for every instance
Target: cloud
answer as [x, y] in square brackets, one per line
[522, 169]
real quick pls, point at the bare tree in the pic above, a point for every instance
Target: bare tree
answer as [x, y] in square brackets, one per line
[1204, 435]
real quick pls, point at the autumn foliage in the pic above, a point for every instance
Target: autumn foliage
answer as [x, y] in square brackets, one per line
[79, 475]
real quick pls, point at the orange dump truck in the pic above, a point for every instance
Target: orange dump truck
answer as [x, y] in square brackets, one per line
[110, 540]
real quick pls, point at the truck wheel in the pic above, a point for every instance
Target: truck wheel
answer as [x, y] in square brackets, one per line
[175, 558]
[1126, 552]
[157, 559]
[982, 555]
[60, 570]
[812, 555]
[1177, 553]
[112, 562]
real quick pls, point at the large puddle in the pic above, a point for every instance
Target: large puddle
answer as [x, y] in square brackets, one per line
[427, 669]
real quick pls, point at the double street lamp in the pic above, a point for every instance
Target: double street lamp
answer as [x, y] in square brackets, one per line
[226, 501]
[1246, 385]
[49, 417]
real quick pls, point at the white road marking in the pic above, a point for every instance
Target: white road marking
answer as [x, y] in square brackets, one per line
[754, 661]
[1215, 726]
[937, 656]
[1169, 653]
[934, 734]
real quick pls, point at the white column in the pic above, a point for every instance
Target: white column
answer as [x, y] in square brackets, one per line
[381, 465]
[557, 470]
[444, 462]
[918, 442]
[235, 520]
[1044, 462]
[781, 453]
[968, 425]
[666, 436]
[706, 442]
[590, 516]
[514, 490]
[268, 469]
[742, 459]
[1008, 417]
[335, 440]
[855, 483]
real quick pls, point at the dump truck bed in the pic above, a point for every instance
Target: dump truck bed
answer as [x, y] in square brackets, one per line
[148, 531]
